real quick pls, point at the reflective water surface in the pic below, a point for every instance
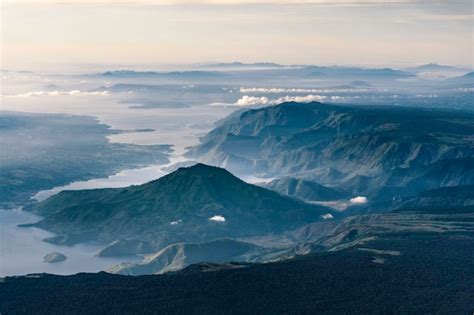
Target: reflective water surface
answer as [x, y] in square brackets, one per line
[22, 249]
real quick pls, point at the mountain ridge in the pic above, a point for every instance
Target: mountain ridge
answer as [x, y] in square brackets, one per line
[180, 255]
[360, 149]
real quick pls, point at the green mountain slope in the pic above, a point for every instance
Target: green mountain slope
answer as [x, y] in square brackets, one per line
[197, 203]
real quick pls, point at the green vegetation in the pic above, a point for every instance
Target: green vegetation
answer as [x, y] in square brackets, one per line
[197, 203]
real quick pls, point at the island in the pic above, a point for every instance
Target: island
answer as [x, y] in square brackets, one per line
[54, 257]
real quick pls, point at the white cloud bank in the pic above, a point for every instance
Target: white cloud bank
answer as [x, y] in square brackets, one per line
[247, 100]
[59, 93]
[217, 218]
[301, 99]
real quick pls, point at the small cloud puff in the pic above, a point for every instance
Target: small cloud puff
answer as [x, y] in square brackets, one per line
[247, 100]
[176, 222]
[359, 200]
[300, 99]
[327, 216]
[217, 218]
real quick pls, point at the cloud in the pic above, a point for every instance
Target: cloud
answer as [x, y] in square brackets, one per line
[217, 218]
[59, 93]
[327, 216]
[359, 200]
[247, 100]
[300, 99]
[251, 100]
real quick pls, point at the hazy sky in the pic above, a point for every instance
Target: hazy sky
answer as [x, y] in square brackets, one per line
[39, 33]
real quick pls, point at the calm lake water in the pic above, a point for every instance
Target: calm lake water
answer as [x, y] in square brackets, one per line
[22, 250]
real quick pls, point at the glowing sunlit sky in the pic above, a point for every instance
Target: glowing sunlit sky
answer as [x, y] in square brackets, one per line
[40, 33]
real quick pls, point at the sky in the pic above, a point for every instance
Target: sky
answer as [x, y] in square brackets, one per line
[43, 33]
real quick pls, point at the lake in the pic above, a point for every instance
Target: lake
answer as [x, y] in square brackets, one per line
[22, 250]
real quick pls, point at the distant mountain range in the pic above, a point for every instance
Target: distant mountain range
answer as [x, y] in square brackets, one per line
[262, 71]
[429, 67]
[434, 67]
[353, 72]
[466, 79]
[166, 75]
[268, 69]
[326, 71]
[240, 65]
[379, 152]
[216, 71]
[198, 203]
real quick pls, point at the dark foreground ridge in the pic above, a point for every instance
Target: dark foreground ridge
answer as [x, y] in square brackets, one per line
[419, 280]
